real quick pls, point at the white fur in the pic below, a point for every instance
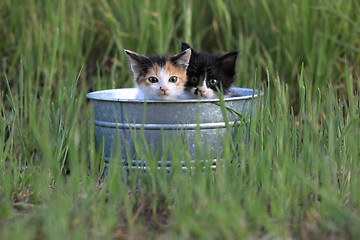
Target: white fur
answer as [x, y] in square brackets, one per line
[207, 92]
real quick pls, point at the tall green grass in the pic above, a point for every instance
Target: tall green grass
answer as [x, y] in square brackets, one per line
[299, 172]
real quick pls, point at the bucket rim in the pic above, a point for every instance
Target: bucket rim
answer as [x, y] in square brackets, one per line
[95, 96]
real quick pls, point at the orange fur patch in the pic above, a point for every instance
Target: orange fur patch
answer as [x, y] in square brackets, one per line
[142, 80]
[174, 71]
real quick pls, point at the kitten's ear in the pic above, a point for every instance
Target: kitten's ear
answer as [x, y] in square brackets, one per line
[228, 61]
[185, 45]
[136, 60]
[182, 59]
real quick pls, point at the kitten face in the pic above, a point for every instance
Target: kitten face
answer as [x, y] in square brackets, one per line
[207, 73]
[159, 77]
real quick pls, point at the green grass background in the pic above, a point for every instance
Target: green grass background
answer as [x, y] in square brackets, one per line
[299, 176]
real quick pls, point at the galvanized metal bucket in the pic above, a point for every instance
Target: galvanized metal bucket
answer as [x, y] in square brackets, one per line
[119, 116]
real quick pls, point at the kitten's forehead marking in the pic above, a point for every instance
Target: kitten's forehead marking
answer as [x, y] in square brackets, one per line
[204, 80]
[163, 77]
[160, 73]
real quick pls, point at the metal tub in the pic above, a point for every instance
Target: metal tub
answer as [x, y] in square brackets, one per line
[119, 118]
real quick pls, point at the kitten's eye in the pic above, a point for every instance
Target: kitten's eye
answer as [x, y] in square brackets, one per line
[173, 79]
[213, 82]
[153, 79]
[194, 79]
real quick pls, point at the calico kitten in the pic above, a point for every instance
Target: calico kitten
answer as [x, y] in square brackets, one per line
[208, 72]
[159, 77]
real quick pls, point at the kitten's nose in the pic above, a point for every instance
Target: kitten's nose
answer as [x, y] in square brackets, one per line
[203, 91]
[163, 89]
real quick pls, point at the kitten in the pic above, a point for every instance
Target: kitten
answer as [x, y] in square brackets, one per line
[159, 77]
[208, 72]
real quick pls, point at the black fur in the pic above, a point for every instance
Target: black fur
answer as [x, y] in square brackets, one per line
[221, 68]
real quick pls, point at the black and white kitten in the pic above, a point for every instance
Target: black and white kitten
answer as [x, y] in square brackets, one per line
[207, 73]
